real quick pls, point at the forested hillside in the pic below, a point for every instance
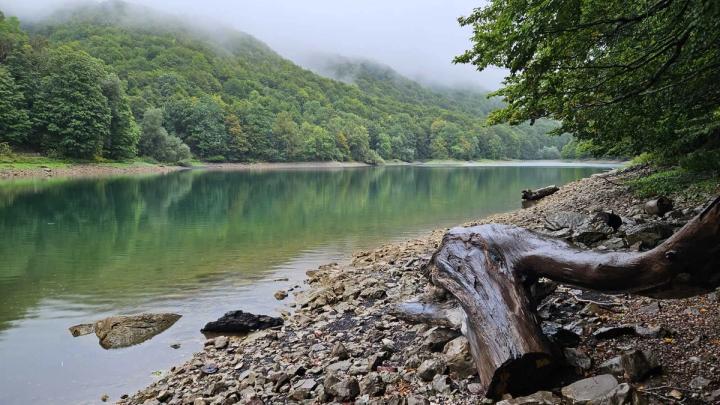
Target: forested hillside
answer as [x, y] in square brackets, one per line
[116, 80]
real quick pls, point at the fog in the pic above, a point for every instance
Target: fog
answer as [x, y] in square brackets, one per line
[418, 38]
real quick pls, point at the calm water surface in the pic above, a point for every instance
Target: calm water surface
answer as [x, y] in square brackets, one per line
[199, 244]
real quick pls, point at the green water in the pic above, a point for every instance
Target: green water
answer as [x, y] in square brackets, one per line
[198, 243]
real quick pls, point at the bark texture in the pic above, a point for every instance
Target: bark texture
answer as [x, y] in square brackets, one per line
[490, 268]
[531, 195]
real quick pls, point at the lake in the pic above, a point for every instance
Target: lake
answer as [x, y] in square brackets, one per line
[200, 243]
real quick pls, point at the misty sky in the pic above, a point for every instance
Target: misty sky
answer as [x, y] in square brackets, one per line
[417, 37]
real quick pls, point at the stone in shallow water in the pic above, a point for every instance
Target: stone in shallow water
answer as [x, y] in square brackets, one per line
[241, 322]
[123, 331]
[82, 329]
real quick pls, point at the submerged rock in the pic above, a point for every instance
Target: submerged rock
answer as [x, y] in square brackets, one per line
[123, 331]
[82, 329]
[241, 322]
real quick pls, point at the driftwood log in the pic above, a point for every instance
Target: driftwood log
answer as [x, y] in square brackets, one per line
[659, 206]
[533, 195]
[489, 269]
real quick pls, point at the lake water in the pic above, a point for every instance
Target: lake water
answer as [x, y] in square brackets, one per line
[199, 243]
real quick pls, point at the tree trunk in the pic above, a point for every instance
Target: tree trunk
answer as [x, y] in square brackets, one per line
[489, 269]
[531, 195]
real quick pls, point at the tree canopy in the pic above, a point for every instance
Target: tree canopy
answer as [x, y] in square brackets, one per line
[639, 76]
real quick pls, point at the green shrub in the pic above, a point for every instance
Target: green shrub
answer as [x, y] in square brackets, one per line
[216, 159]
[5, 150]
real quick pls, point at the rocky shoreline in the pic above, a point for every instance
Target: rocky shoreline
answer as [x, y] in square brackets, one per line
[89, 170]
[350, 339]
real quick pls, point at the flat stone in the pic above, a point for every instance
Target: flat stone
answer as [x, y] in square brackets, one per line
[538, 398]
[123, 331]
[590, 388]
[338, 366]
[557, 221]
[417, 400]
[458, 357]
[620, 395]
[82, 329]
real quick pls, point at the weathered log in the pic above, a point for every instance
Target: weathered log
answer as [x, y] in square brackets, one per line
[659, 206]
[531, 195]
[489, 268]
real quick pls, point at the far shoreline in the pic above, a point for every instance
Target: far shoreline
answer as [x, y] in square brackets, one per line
[10, 172]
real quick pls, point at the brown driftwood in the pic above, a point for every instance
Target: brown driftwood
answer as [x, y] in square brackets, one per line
[530, 195]
[659, 206]
[489, 268]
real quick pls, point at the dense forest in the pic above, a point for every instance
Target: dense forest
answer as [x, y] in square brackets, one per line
[114, 81]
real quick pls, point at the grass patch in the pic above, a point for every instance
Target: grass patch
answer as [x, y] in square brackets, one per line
[675, 181]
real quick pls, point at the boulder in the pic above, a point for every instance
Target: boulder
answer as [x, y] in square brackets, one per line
[339, 351]
[577, 359]
[588, 389]
[437, 338]
[441, 383]
[458, 357]
[123, 331]
[560, 335]
[593, 230]
[429, 368]
[345, 390]
[241, 322]
[637, 364]
[280, 295]
[557, 221]
[372, 385]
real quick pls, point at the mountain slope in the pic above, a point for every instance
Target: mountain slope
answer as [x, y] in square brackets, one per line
[228, 96]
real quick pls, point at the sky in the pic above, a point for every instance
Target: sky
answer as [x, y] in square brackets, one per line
[418, 38]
